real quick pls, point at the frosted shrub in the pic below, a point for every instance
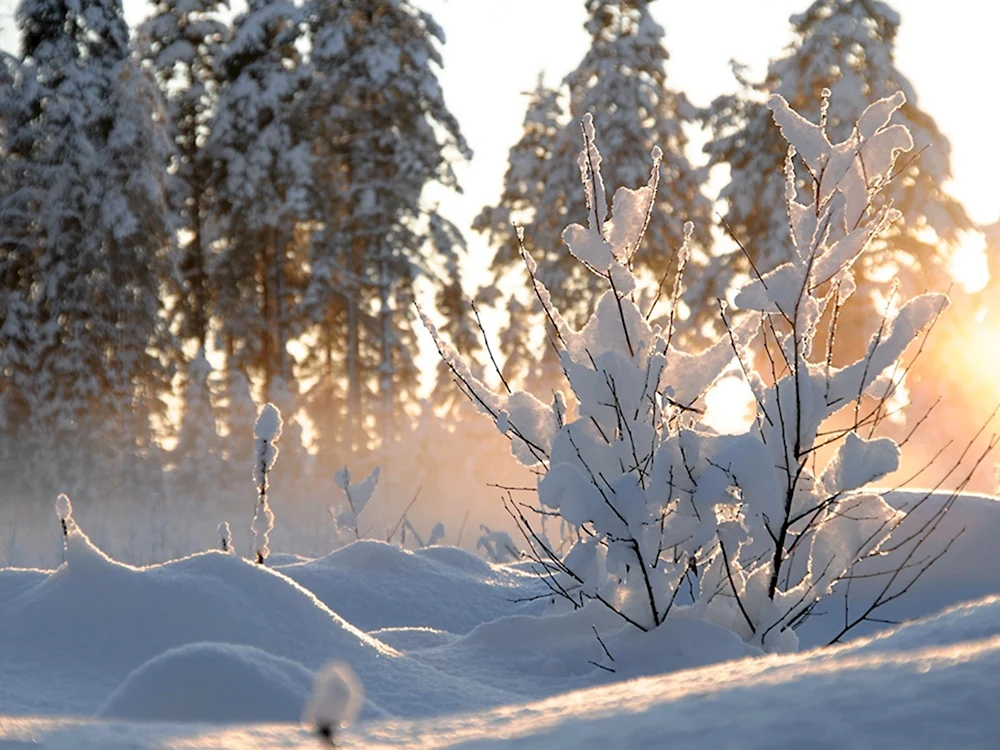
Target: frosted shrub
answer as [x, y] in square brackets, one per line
[356, 497]
[497, 545]
[673, 518]
[437, 534]
[225, 537]
[64, 510]
[801, 528]
[266, 432]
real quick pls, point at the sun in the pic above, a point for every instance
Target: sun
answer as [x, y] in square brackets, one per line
[968, 266]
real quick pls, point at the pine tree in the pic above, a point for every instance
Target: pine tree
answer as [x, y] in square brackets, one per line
[622, 82]
[382, 133]
[845, 46]
[261, 169]
[92, 182]
[181, 42]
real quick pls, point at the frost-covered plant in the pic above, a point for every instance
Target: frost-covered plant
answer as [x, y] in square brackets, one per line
[437, 534]
[357, 497]
[408, 530]
[798, 529]
[497, 545]
[740, 530]
[64, 510]
[266, 432]
[607, 467]
[225, 537]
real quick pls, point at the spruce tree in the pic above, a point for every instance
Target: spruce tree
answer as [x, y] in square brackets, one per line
[847, 47]
[20, 339]
[383, 133]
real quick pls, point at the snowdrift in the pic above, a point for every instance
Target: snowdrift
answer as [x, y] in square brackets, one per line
[70, 637]
[903, 689]
[969, 570]
[213, 682]
[376, 585]
[214, 638]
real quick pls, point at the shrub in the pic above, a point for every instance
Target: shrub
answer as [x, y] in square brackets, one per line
[742, 530]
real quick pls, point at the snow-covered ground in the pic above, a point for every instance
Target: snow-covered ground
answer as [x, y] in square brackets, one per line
[214, 651]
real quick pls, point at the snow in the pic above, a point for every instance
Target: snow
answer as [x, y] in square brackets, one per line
[212, 682]
[908, 689]
[969, 571]
[71, 637]
[266, 430]
[215, 639]
[357, 495]
[64, 508]
[692, 570]
[375, 585]
[225, 537]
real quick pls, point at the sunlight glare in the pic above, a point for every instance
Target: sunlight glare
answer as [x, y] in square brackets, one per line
[728, 406]
[968, 266]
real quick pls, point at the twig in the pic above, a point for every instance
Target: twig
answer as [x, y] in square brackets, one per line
[489, 350]
[403, 516]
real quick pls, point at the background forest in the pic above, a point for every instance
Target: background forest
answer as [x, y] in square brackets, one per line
[228, 205]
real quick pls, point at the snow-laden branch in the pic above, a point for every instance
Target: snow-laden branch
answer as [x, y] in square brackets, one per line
[671, 517]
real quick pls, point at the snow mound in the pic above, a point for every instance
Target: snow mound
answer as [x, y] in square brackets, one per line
[970, 621]
[936, 697]
[375, 585]
[70, 637]
[930, 698]
[538, 657]
[215, 683]
[461, 561]
[413, 639]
